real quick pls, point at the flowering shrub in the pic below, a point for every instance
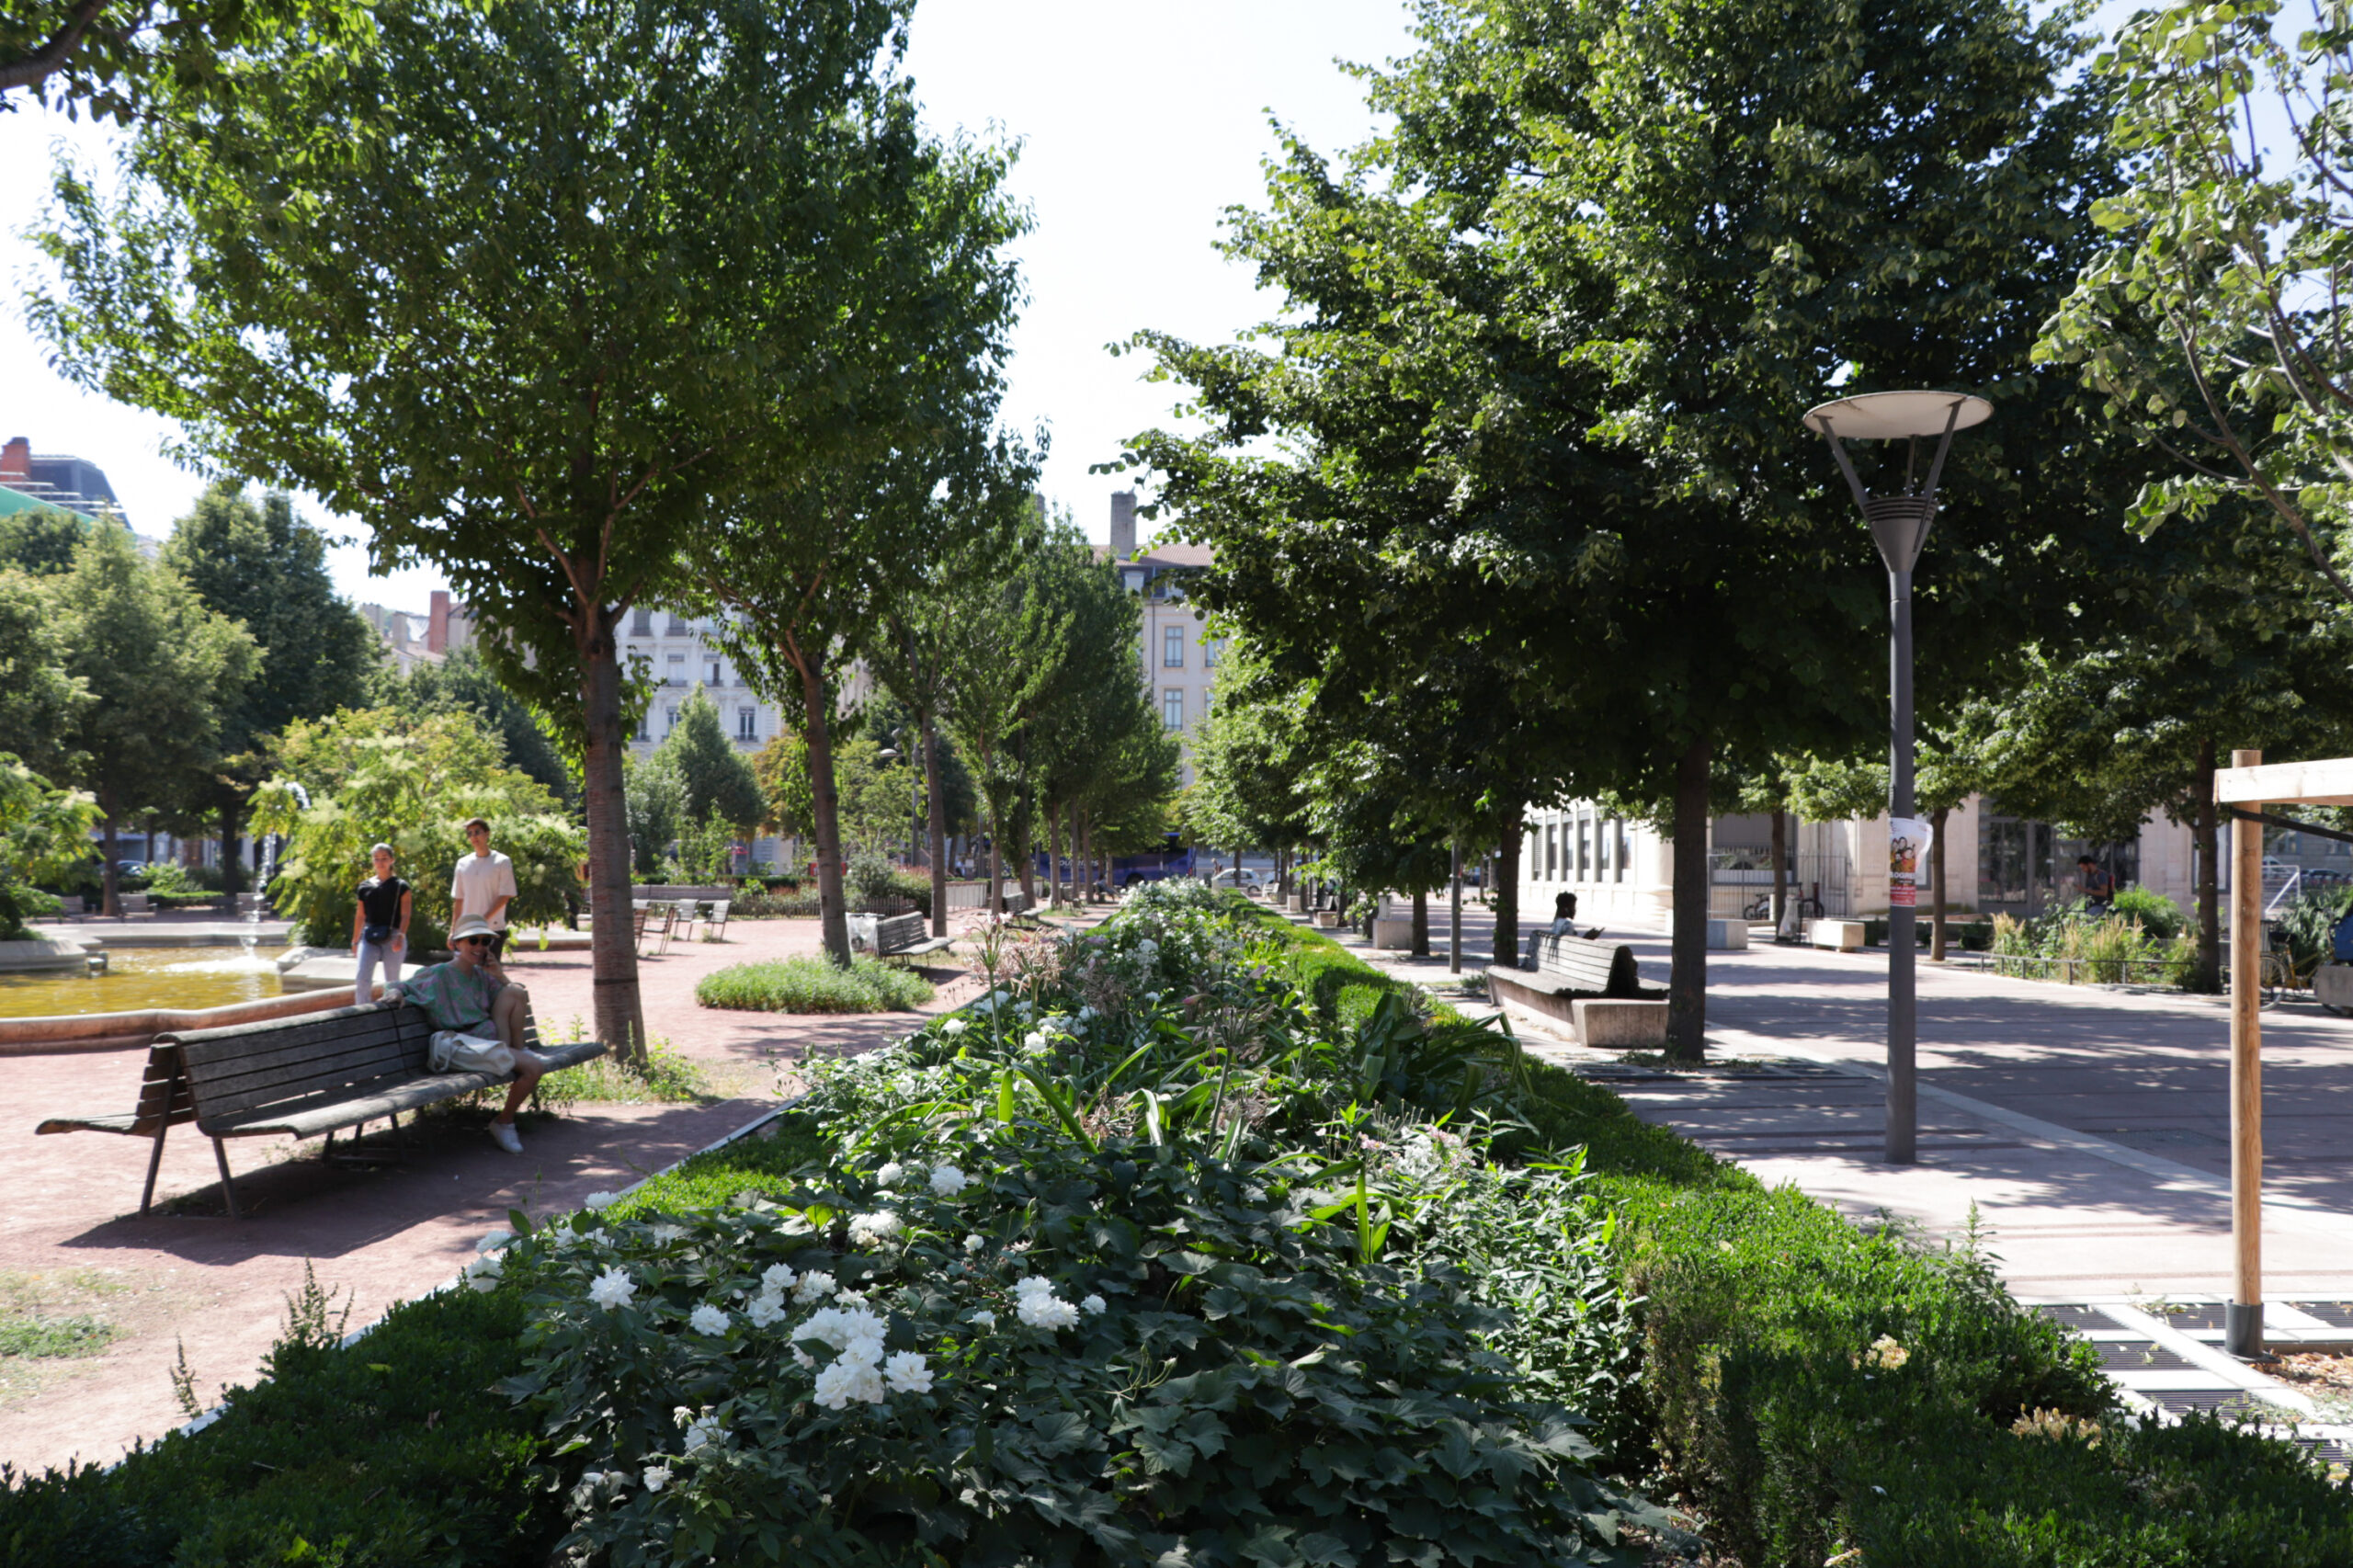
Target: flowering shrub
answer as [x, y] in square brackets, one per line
[1108, 1355]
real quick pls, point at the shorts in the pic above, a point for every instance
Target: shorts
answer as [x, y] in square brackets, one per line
[453, 1051]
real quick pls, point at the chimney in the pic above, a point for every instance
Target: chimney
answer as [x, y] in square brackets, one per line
[1123, 524]
[16, 461]
[437, 629]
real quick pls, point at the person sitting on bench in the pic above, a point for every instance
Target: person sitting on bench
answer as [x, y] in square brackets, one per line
[1564, 924]
[477, 1021]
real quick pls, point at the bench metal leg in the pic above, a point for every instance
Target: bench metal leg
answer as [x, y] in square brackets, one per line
[228, 1188]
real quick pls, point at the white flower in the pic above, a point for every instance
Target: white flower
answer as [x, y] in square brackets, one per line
[1022, 1007]
[1091, 1305]
[866, 1230]
[493, 1241]
[848, 1380]
[814, 1286]
[482, 1272]
[708, 1319]
[663, 1234]
[985, 1318]
[803, 1356]
[1085, 1015]
[657, 1476]
[765, 1310]
[906, 1373]
[890, 1174]
[612, 1289]
[1034, 1041]
[1036, 1304]
[702, 1430]
[600, 1200]
[946, 1181]
[953, 1028]
[973, 1242]
[778, 1277]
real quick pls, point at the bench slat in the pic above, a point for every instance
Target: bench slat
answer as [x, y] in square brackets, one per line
[345, 1107]
[305, 1024]
[283, 1045]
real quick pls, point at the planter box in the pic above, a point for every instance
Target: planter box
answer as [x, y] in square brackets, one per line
[1393, 935]
[2333, 984]
[1846, 936]
[1605, 1024]
[1328, 919]
[1728, 935]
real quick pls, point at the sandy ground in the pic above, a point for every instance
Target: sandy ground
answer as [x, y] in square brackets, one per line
[72, 1243]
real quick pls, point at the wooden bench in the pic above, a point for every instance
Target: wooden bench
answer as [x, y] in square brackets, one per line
[1569, 970]
[906, 937]
[298, 1078]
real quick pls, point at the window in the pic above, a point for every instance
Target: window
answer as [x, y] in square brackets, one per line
[1212, 652]
[747, 723]
[644, 730]
[679, 627]
[673, 723]
[1601, 849]
[1172, 707]
[1618, 851]
[718, 673]
[640, 623]
[1551, 852]
[1585, 849]
[677, 676]
[1172, 648]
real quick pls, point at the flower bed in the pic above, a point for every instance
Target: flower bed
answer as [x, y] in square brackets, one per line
[1205, 1237]
[813, 985]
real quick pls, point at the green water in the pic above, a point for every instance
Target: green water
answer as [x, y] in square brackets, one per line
[145, 977]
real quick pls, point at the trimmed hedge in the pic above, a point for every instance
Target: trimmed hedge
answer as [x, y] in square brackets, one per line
[1814, 1392]
[813, 985]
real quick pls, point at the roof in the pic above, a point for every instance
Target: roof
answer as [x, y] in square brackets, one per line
[1174, 554]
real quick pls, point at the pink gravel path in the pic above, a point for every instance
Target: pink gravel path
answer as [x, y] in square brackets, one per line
[378, 1234]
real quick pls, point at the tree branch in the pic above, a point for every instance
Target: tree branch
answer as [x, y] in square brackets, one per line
[51, 57]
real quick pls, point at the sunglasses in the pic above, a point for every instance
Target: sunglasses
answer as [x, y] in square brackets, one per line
[473, 941]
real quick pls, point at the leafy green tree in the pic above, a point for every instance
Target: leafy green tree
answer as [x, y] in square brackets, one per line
[656, 794]
[41, 540]
[44, 833]
[262, 565]
[379, 775]
[782, 768]
[108, 55]
[464, 680]
[877, 796]
[1545, 347]
[2213, 321]
[42, 700]
[713, 778]
[163, 672]
[528, 335]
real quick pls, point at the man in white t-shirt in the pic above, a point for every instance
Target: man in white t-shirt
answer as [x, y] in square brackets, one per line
[481, 888]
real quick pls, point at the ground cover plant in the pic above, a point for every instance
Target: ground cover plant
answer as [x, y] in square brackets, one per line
[813, 985]
[1051, 1269]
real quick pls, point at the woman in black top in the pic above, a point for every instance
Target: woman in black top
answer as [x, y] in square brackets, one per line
[379, 925]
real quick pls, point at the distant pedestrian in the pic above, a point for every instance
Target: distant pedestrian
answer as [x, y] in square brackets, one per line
[379, 925]
[2099, 885]
[1564, 924]
[478, 1021]
[481, 888]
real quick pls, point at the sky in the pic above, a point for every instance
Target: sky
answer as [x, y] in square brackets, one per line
[1140, 125]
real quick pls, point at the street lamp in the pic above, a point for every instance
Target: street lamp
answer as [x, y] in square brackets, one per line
[1899, 525]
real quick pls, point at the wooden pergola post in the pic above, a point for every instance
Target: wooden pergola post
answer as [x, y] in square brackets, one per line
[2243, 1316]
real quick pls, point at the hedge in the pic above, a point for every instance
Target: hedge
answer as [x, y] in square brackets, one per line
[1811, 1391]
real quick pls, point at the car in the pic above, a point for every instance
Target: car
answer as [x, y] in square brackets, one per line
[1225, 878]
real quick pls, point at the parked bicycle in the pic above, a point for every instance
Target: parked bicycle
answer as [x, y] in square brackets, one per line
[1808, 905]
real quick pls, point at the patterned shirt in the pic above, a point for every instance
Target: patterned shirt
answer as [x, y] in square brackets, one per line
[453, 997]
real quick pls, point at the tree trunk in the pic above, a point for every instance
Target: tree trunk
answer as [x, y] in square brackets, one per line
[817, 699]
[1937, 873]
[1686, 984]
[1054, 855]
[1780, 868]
[1421, 924]
[109, 874]
[233, 864]
[1504, 947]
[2208, 977]
[617, 1008]
[935, 799]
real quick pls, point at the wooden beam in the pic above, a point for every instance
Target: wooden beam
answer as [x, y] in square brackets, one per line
[2243, 1327]
[2324, 783]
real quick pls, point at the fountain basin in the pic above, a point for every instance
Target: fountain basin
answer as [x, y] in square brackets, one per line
[137, 1030]
[39, 954]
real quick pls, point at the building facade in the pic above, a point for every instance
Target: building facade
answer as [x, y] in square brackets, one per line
[410, 639]
[1177, 656]
[74, 484]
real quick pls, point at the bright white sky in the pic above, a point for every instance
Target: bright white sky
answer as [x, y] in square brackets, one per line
[1140, 125]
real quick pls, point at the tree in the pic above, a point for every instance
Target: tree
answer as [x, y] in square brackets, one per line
[462, 680]
[262, 567]
[713, 778]
[107, 54]
[1546, 343]
[2213, 323]
[525, 335]
[41, 540]
[161, 671]
[42, 700]
[379, 775]
[44, 833]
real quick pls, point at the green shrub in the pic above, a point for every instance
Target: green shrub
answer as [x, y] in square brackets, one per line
[2160, 916]
[815, 986]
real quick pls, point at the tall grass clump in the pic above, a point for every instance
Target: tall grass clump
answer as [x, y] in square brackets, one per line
[812, 985]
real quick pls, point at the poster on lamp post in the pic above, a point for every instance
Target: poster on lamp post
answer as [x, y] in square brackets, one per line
[1907, 845]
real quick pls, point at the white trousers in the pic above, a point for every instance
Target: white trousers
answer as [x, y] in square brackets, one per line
[387, 953]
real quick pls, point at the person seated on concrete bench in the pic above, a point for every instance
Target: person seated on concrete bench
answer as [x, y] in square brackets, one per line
[477, 1019]
[1564, 924]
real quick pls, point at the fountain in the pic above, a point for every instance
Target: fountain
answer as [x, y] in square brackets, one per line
[268, 866]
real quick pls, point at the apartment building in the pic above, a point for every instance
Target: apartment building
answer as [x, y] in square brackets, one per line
[1179, 657]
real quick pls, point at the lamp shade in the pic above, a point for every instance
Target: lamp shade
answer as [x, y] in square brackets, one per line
[1894, 415]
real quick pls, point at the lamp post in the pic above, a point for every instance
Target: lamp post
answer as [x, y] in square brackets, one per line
[1899, 525]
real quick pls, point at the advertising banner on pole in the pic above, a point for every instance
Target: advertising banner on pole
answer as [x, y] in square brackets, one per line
[1907, 845]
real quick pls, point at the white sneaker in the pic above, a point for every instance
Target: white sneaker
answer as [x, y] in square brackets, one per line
[503, 1135]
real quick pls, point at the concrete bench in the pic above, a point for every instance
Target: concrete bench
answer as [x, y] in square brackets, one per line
[1844, 935]
[293, 1077]
[907, 936]
[1573, 972]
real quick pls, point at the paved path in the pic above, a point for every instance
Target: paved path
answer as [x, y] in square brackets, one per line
[72, 1233]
